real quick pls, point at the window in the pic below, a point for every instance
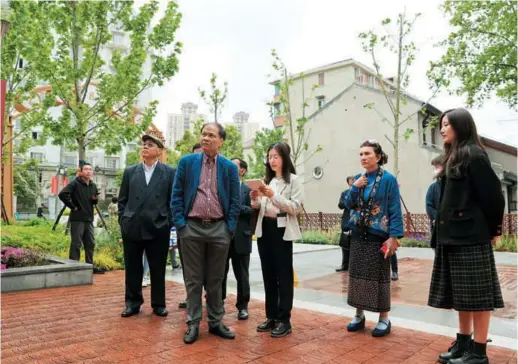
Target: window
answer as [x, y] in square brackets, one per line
[118, 38]
[70, 161]
[186, 123]
[111, 163]
[321, 79]
[20, 63]
[321, 101]
[372, 81]
[38, 156]
[358, 75]
[277, 108]
[34, 135]
[318, 172]
[277, 89]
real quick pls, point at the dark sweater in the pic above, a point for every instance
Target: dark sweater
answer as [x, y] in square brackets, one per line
[346, 214]
[433, 196]
[472, 205]
[78, 194]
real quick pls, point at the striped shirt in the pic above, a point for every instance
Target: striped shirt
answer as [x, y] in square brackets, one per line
[206, 203]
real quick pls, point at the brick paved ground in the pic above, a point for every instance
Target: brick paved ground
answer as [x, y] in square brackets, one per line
[415, 283]
[83, 324]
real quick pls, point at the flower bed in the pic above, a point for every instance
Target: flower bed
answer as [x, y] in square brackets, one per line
[18, 258]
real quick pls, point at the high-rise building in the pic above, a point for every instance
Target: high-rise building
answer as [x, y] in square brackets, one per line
[246, 128]
[177, 124]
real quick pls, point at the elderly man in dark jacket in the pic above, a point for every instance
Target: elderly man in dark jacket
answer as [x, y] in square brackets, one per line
[345, 237]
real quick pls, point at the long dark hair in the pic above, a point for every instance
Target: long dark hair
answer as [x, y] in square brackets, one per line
[377, 150]
[458, 153]
[287, 165]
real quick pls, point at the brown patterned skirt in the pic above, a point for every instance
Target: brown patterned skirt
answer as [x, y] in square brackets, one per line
[369, 275]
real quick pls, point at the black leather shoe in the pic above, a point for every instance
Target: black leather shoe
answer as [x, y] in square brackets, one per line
[282, 329]
[128, 312]
[380, 333]
[191, 334]
[98, 270]
[476, 354]
[394, 276]
[341, 269]
[457, 349]
[222, 331]
[266, 326]
[352, 327]
[242, 315]
[160, 311]
[182, 304]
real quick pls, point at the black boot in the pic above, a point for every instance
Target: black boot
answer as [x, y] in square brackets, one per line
[457, 349]
[477, 355]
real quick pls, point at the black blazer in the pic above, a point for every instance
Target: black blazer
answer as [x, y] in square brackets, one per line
[144, 210]
[471, 206]
[347, 213]
[243, 237]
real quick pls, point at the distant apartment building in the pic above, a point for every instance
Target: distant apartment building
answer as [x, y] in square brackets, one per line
[177, 124]
[246, 128]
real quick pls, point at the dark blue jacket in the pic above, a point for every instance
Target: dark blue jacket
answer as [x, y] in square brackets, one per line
[186, 184]
[433, 197]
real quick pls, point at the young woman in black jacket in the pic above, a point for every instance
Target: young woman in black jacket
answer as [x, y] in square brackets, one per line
[469, 221]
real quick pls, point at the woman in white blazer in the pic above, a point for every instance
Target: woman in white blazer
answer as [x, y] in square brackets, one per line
[278, 202]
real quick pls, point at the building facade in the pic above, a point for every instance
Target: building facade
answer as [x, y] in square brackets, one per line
[177, 124]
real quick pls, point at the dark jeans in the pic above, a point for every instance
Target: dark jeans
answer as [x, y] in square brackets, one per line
[156, 253]
[240, 265]
[345, 244]
[82, 234]
[277, 267]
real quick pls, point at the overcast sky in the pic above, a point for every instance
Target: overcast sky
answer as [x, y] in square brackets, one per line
[234, 38]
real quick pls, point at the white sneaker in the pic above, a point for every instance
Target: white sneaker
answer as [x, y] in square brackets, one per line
[146, 282]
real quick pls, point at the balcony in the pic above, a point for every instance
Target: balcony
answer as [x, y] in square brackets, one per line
[279, 120]
[276, 98]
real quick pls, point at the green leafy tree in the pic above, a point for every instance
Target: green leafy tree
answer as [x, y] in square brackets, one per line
[215, 98]
[233, 145]
[262, 140]
[132, 158]
[394, 91]
[98, 94]
[22, 42]
[296, 128]
[481, 51]
[172, 157]
[26, 185]
[189, 139]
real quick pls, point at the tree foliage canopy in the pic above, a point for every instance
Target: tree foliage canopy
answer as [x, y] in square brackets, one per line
[481, 52]
[263, 139]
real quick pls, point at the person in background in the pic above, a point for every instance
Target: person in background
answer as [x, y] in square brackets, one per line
[113, 208]
[205, 204]
[145, 219]
[146, 280]
[276, 230]
[39, 212]
[183, 303]
[433, 194]
[81, 196]
[345, 236]
[470, 214]
[241, 247]
[376, 223]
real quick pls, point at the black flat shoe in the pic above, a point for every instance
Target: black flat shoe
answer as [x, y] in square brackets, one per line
[282, 329]
[128, 312]
[160, 311]
[352, 327]
[98, 270]
[380, 333]
[222, 331]
[242, 315]
[191, 335]
[341, 269]
[394, 276]
[266, 326]
[182, 304]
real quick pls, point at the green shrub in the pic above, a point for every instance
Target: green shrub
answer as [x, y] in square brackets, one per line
[66, 212]
[314, 237]
[506, 243]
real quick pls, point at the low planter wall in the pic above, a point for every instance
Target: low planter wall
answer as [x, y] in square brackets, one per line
[62, 273]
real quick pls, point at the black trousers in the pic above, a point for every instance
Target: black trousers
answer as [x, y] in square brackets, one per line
[156, 252]
[393, 262]
[345, 244]
[277, 267]
[240, 265]
[82, 234]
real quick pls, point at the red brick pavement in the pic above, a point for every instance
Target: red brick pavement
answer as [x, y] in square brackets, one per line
[83, 324]
[413, 288]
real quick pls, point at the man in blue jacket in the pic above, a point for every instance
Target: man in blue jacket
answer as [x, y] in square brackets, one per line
[206, 205]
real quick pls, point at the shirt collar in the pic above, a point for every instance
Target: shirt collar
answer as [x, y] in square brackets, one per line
[150, 168]
[207, 159]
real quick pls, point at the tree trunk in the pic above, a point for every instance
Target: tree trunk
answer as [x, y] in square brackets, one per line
[398, 99]
[81, 149]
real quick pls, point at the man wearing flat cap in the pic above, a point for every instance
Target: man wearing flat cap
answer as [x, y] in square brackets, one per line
[145, 220]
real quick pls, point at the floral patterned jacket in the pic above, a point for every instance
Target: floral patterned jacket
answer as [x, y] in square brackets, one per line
[386, 219]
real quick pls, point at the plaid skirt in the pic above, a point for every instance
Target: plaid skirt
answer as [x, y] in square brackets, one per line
[369, 275]
[465, 278]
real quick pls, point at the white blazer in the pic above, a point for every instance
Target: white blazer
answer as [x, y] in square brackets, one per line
[287, 198]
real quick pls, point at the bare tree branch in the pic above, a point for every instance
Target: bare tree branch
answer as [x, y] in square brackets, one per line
[98, 38]
[390, 141]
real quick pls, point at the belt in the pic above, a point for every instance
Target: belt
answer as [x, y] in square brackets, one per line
[206, 221]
